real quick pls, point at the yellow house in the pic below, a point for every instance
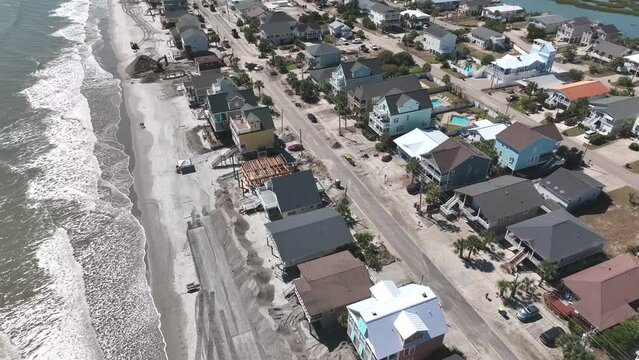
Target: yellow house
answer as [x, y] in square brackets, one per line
[253, 130]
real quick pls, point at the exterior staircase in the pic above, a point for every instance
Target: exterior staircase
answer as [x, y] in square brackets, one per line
[447, 207]
[226, 155]
[511, 264]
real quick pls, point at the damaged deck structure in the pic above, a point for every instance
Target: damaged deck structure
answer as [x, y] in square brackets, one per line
[256, 172]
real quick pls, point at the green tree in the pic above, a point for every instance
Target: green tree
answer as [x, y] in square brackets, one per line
[527, 286]
[249, 36]
[431, 192]
[626, 129]
[384, 143]
[594, 69]
[572, 156]
[368, 23]
[266, 100]
[459, 246]
[572, 349]
[264, 46]
[342, 319]
[341, 103]
[535, 32]
[474, 245]
[241, 79]
[239, 23]
[502, 287]
[514, 287]
[214, 38]
[259, 85]
[413, 167]
[426, 67]
[570, 53]
[446, 79]
[488, 238]
[622, 338]
[625, 81]
[547, 272]
[487, 59]
[308, 92]
[343, 209]
[531, 87]
[575, 75]
[616, 63]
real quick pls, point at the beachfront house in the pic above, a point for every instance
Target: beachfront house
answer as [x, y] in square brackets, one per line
[453, 164]
[445, 5]
[549, 22]
[363, 97]
[278, 28]
[472, 7]
[399, 113]
[328, 284]
[520, 146]
[308, 31]
[418, 142]
[349, 74]
[294, 194]
[511, 68]
[556, 237]
[487, 38]
[631, 63]
[571, 31]
[252, 130]
[438, 40]
[564, 96]
[340, 30]
[598, 32]
[381, 13]
[502, 12]
[604, 51]
[396, 323]
[196, 87]
[572, 189]
[608, 115]
[256, 11]
[606, 294]
[224, 106]
[319, 56]
[415, 19]
[496, 203]
[307, 236]
[208, 62]
[635, 127]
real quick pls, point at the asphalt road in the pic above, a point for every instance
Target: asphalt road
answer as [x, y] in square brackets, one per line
[458, 310]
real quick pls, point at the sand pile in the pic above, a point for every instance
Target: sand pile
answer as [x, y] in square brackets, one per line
[142, 64]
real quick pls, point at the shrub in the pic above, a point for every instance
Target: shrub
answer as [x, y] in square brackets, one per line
[598, 139]
[634, 146]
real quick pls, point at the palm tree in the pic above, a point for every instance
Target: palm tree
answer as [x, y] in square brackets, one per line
[259, 85]
[432, 194]
[488, 238]
[514, 286]
[547, 272]
[459, 247]
[413, 167]
[474, 245]
[527, 286]
[503, 286]
[531, 88]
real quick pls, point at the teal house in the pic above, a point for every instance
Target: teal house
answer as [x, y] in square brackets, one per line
[401, 112]
[519, 146]
[350, 74]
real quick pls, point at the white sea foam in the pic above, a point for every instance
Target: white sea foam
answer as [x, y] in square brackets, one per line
[7, 350]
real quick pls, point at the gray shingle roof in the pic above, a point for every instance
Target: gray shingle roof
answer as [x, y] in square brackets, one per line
[382, 8]
[322, 75]
[295, 190]
[548, 19]
[582, 20]
[504, 196]
[611, 49]
[609, 29]
[322, 49]
[569, 184]
[263, 114]
[398, 99]
[204, 80]
[484, 33]
[278, 23]
[557, 235]
[519, 136]
[436, 31]
[619, 107]
[219, 102]
[375, 66]
[309, 235]
[383, 87]
[304, 27]
[185, 21]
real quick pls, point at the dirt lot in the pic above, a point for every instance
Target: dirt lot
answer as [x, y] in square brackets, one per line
[615, 219]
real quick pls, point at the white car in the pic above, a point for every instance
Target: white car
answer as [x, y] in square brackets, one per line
[589, 134]
[357, 41]
[375, 47]
[344, 41]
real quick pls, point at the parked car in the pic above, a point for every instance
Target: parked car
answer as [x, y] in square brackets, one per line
[350, 159]
[363, 48]
[387, 158]
[551, 335]
[512, 98]
[295, 147]
[589, 134]
[258, 67]
[235, 34]
[357, 41]
[311, 117]
[528, 313]
[374, 47]
[344, 41]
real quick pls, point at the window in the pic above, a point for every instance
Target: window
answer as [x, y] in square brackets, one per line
[409, 351]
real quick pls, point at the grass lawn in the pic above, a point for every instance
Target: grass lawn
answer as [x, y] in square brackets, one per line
[428, 83]
[470, 22]
[483, 114]
[291, 67]
[453, 73]
[603, 69]
[615, 219]
[634, 167]
[574, 131]
[518, 107]
[415, 69]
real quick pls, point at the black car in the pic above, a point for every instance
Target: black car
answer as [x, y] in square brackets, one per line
[311, 117]
[235, 34]
[551, 335]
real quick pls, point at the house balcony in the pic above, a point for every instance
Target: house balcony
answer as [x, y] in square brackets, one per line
[473, 215]
[379, 117]
[240, 127]
[339, 83]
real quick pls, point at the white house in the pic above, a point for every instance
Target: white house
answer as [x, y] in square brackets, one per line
[418, 142]
[635, 127]
[396, 323]
[483, 130]
[399, 113]
[487, 38]
[502, 12]
[415, 18]
[340, 30]
[608, 115]
[510, 68]
[438, 40]
[383, 13]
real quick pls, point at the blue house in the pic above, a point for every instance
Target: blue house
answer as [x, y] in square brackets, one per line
[520, 147]
[399, 113]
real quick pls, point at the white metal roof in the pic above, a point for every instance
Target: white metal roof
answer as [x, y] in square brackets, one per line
[634, 58]
[419, 15]
[379, 316]
[419, 142]
[408, 323]
[504, 8]
[519, 61]
[487, 129]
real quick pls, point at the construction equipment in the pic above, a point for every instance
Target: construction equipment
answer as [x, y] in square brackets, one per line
[350, 159]
[184, 167]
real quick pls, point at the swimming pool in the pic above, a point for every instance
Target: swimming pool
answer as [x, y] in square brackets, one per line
[459, 120]
[468, 68]
[437, 103]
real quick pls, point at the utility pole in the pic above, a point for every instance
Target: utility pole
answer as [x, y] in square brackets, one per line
[282, 121]
[301, 138]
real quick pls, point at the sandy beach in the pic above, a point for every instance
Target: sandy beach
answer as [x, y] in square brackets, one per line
[165, 199]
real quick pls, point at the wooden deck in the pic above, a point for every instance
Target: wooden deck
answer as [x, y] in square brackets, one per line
[256, 172]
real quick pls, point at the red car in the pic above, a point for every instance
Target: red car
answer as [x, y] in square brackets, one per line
[295, 147]
[387, 158]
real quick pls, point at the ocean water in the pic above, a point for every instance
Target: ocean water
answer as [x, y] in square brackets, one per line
[72, 273]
